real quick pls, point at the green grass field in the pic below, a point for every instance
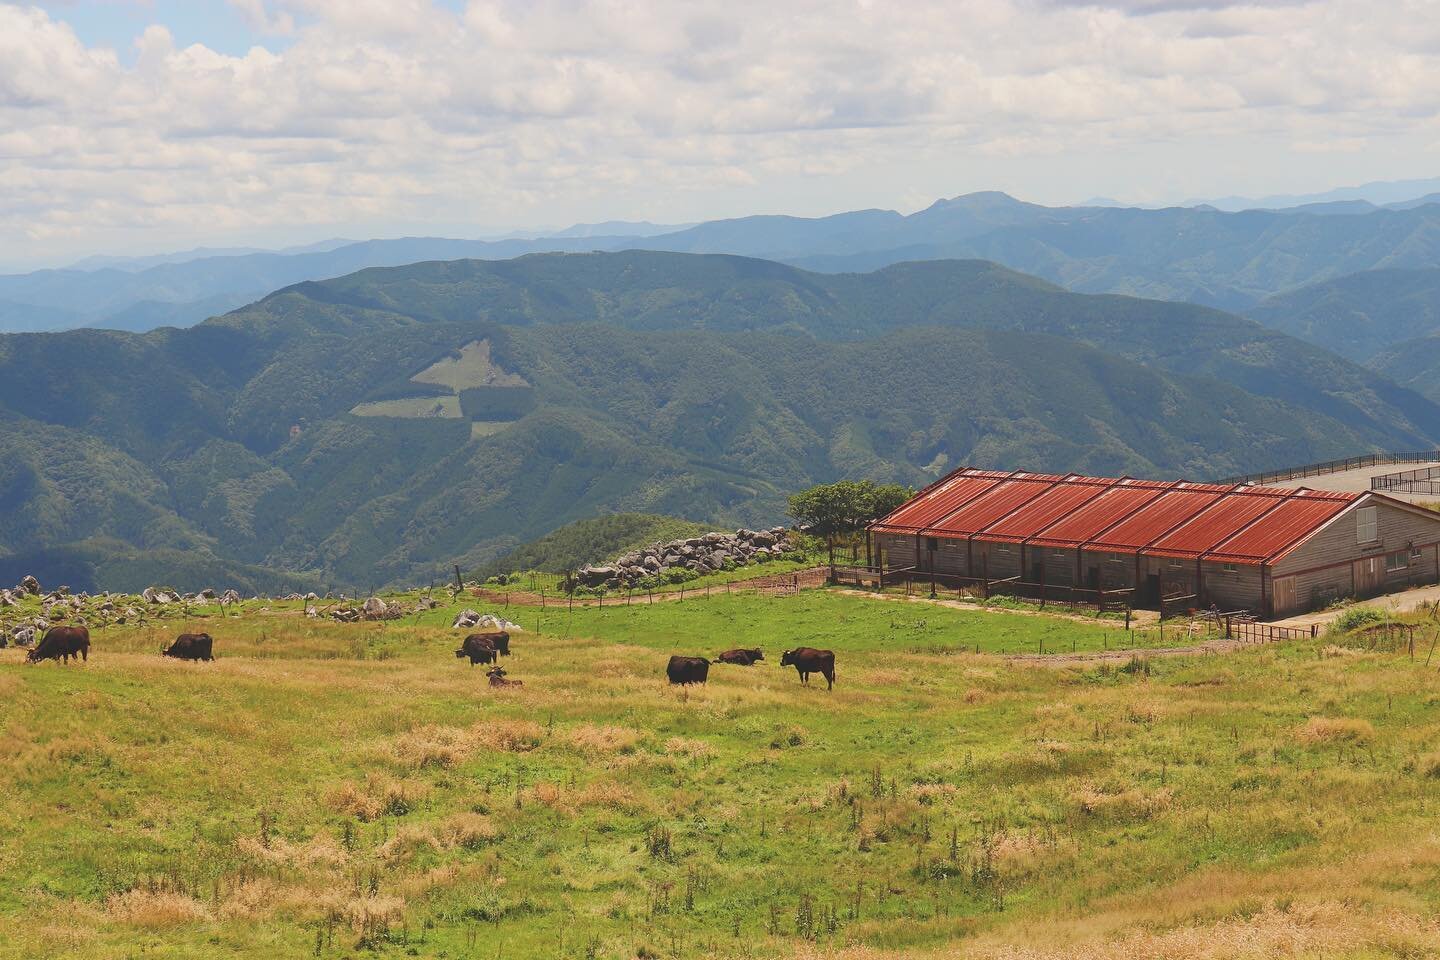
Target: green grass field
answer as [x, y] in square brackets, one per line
[354, 790]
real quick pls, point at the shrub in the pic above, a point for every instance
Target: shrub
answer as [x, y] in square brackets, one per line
[1357, 617]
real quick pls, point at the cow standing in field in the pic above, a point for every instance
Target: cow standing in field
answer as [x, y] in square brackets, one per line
[683, 670]
[478, 648]
[62, 643]
[499, 641]
[808, 660]
[191, 646]
[741, 658]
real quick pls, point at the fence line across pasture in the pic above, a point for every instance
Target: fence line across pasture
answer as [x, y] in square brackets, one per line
[778, 584]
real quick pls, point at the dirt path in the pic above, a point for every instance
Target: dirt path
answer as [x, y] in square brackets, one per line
[1403, 602]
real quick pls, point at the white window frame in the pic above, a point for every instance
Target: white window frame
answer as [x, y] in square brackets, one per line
[1403, 558]
[1367, 524]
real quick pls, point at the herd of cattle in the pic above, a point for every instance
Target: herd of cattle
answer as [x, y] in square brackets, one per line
[62, 643]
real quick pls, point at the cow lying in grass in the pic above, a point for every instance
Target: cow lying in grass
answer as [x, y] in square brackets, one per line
[741, 658]
[497, 678]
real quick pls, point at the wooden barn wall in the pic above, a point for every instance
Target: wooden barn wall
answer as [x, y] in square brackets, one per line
[1059, 565]
[1324, 566]
[898, 551]
[1237, 589]
[951, 557]
[1116, 570]
[1003, 559]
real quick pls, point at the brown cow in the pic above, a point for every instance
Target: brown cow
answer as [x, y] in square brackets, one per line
[62, 643]
[742, 658]
[191, 646]
[808, 660]
[499, 640]
[497, 678]
[478, 648]
[687, 669]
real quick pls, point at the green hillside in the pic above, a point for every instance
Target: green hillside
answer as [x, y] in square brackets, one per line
[1359, 316]
[595, 540]
[554, 389]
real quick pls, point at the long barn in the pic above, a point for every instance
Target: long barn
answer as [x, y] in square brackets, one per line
[1271, 550]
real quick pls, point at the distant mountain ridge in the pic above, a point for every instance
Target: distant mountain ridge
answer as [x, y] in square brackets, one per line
[1199, 255]
[557, 387]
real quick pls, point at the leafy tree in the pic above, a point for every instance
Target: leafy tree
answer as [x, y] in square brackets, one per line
[846, 507]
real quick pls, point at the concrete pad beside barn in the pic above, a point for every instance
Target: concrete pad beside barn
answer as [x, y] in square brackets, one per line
[1358, 480]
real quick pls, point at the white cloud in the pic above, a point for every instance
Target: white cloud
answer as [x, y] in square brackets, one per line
[400, 112]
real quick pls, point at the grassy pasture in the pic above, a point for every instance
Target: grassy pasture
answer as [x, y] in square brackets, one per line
[354, 790]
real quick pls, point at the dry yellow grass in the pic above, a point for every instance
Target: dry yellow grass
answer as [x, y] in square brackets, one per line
[602, 739]
[1320, 730]
[155, 909]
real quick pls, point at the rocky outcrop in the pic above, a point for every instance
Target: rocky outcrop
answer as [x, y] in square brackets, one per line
[471, 620]
[698, 555]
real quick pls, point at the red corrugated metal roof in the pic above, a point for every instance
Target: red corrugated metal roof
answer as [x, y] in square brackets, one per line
[1158, 517]
[940, 499]
[1275, 532]
[1175, 519]
[1216, 522]
[1106, 510]
[1057, 502]
[992, 505]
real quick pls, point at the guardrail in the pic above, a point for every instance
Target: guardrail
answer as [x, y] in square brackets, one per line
[1334, 466]
[1425, 480]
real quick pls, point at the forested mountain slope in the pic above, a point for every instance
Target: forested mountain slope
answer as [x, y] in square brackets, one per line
[384, 425]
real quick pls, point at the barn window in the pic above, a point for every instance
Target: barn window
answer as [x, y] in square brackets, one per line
[1367, 525]
[1004, 550]
[1061, 555]
[932, 544]
[1399, 560]
[1177, 563]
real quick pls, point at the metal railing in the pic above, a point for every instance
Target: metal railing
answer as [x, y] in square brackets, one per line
[1334, 466]
[1425, 480]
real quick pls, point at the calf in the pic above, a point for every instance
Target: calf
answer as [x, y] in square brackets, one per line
[499, 640]
[497, 678]
[191, 646]
[62, 643]
[687, 669]
[478, 648]
[808, 660]
[743, 658]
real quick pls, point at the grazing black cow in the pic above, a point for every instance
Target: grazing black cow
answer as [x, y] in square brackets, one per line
[497, 678]
[808, 660]
[743, 658]
[191, 646]
[62, 643]
[687, 669]
[478, 648]
[499, 640]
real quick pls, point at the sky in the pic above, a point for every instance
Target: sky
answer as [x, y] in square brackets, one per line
[140, 126]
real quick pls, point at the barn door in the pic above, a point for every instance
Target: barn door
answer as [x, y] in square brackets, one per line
[1284, 589]
[1369, 575]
